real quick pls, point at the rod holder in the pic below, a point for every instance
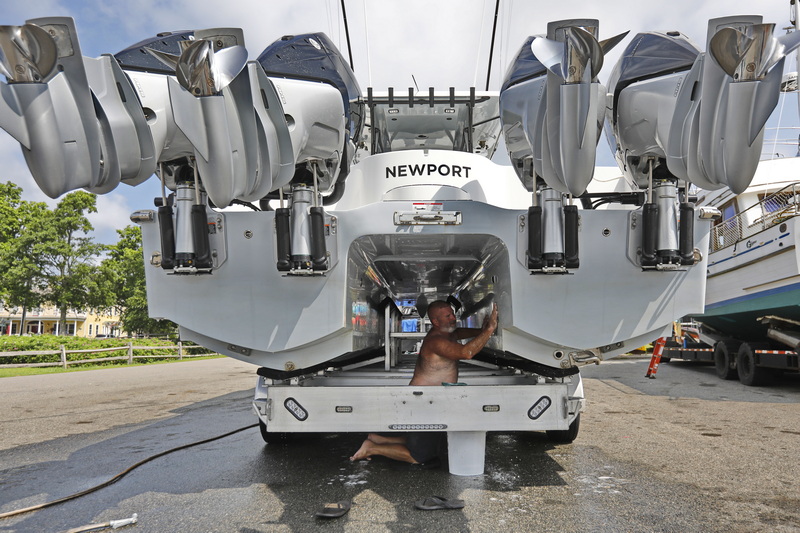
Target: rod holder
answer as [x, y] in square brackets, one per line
[166, 229]
[319, 255]
[687, 234]
[202, 247]
[535, 260]
[649, 234]
[283, 239]
[571, 255]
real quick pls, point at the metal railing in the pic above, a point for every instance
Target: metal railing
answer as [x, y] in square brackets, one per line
[770, 211]
[780, 142]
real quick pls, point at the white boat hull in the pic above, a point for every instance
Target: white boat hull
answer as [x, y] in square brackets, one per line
[608, 306]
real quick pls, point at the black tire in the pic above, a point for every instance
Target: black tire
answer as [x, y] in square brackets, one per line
[272, 438]
[725, 359]
[749, 373]
[565, 436]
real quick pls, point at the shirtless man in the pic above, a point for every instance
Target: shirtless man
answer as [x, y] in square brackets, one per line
[437, 363]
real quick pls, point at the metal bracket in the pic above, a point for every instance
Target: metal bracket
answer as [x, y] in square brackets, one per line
[584, 357]
[427, 218]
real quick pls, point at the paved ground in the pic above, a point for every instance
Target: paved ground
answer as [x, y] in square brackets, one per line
[683, 452]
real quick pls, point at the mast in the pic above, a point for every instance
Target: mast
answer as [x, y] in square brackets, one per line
[491, 46]
[347, 36]
[796, 25]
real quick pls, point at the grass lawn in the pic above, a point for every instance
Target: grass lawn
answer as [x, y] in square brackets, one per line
[11, 372]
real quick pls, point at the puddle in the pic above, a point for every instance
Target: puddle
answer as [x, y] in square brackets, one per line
[605, 484]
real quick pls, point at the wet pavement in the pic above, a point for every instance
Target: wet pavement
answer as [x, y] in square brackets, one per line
[644, 460]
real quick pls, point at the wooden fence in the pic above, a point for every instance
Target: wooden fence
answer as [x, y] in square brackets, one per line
[129, 356]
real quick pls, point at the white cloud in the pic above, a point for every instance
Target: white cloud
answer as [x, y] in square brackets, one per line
[113, 213]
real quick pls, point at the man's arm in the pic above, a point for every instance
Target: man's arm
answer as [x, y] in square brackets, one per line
[467, 333]
[456, 351]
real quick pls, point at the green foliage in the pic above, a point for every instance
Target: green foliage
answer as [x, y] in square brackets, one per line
[36, 343]
[10, 199]
[124, 267]
[66, 256]
[48, 257]
[29, 343]
[19, 268]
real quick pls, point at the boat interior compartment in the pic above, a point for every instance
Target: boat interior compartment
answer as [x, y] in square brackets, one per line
[407, 272]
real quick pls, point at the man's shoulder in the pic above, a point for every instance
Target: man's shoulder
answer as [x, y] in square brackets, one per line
[435, 342]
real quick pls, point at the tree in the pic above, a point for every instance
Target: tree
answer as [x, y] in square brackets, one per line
[66, 254]
[10, 200]
[124, 266]
[10, 226]
[20, 265]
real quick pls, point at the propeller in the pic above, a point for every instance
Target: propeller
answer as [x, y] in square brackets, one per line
[170, 60]
[201, 70]
[27, 53]
[580, 51]
[739, 53]
[204, 72]
[787, 43]
[608, 44]
[749, 53]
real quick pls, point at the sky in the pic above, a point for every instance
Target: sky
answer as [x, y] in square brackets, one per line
[437, 43]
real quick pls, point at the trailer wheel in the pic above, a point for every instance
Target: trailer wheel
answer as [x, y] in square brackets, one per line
[749, 373]
[565, 436]
[725, 359]
[272, 438]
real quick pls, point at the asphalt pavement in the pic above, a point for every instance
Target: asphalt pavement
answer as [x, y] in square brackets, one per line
[682, 452]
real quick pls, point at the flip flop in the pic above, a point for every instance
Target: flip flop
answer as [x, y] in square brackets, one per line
[334, 510]
[433, 503]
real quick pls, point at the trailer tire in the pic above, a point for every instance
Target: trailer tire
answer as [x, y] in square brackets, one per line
[749, 373]
[565, 436]
[272, 438]
[725, 359]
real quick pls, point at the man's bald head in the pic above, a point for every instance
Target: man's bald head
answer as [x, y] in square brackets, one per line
[442, 316]
[436, 307]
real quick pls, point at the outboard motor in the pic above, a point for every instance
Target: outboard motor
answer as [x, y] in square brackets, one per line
[313, 57]
[78, 120]
[679, 115]
[552, 108]
[673, 103]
